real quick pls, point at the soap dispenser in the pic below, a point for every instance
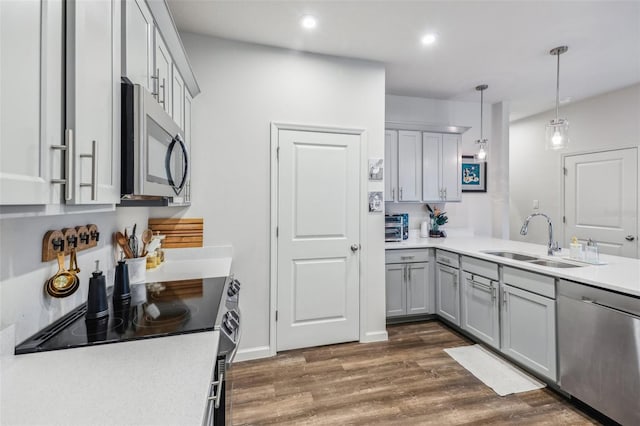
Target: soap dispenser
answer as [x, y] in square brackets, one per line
[97, 306]
[121, 289]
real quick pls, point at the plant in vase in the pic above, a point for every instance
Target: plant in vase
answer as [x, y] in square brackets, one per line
[438, 219]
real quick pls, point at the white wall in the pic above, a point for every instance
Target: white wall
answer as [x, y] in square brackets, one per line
[476, 209]
[611, 120]
[23, 301]
[244, 88]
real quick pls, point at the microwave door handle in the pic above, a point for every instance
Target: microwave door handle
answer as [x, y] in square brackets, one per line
[177, 188]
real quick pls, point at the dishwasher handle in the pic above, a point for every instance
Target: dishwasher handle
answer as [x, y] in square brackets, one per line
[611, 308]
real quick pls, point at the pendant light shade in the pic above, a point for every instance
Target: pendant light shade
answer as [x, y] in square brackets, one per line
[481, 154]
[557, 134]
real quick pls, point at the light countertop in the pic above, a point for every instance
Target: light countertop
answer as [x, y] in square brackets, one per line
[620, 274]
[158, 381]
[155, 381]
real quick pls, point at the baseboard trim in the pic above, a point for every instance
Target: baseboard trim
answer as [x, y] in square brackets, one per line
[375, 336]
[253, 353]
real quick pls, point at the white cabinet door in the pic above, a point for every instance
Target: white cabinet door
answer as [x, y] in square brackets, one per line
[93, 99]
[23, 146]
[480, 309]
[450, 167]
[417, 288]
[177, 97]
[529, 330]
[431, 144]
[395, 290]
[138, 44]
[409, 166]
[164, 70]
[448, 293]
[391, 165]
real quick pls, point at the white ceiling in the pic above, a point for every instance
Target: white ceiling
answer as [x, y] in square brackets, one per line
[504, 44]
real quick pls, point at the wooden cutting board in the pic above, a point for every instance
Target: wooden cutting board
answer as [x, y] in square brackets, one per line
[179, 233]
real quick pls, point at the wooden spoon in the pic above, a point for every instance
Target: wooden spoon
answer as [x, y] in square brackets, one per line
[147, 236]
[123, 242]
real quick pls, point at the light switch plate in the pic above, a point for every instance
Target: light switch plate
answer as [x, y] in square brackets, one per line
[536, 204]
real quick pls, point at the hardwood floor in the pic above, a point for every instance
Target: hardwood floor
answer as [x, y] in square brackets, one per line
[408, 380]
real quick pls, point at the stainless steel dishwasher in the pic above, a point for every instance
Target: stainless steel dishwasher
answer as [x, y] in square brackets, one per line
[599, 345]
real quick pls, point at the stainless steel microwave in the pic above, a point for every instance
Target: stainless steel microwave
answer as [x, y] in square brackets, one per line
[154, 155]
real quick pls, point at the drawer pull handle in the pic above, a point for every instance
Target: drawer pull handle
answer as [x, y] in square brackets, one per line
[406, 257]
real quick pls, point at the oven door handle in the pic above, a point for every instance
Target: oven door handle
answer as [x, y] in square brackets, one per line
[237, 342]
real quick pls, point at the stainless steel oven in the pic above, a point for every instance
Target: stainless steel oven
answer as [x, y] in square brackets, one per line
[154, 155]
[220, 403]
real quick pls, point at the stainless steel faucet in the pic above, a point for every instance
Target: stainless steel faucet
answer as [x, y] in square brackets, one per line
[553, 246]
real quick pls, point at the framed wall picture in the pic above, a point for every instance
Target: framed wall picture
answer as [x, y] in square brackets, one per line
[474, 174]
[376, 201]
[376, 169]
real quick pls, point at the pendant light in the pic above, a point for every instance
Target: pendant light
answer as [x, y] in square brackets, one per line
[481, 155]
[557, 134]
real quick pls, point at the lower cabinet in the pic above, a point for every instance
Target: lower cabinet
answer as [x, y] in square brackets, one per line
[529, 329]
[481, 308]
[407, 284]
[448, 293]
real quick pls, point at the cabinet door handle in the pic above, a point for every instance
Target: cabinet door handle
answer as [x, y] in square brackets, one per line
[504, 298]
[406, 257]
[94, 170]
[393, 194]
[164, 93]
[400, 193]
[156, 80]
[409, 280]
[68, 158]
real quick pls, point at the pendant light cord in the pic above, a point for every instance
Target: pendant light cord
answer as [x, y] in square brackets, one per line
[558, 88]
[481, 116]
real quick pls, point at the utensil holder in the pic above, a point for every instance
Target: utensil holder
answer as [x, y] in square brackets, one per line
[137, 270]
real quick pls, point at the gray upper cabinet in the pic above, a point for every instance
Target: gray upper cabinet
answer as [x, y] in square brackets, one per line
[391, 165]
[177, 96]
[30, 98]
[409, 166]
[441, 165]
[93, 54]
[529, 330]
[138, 52]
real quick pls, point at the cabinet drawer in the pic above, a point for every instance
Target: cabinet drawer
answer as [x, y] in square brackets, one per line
[480, 267]
[530, 281]
[447, 258]
[406, 256]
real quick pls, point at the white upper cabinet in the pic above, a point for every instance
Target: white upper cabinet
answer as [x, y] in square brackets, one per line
[29, 74]
[137, 58]
[409, 165]
[164, 73]
[391, 165]
[441, 179]
[93, 100]
[177, 88]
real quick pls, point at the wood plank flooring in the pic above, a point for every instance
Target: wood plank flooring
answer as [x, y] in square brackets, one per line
[408, 380]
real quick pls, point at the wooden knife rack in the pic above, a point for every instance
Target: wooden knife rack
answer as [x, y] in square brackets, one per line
[63, 240]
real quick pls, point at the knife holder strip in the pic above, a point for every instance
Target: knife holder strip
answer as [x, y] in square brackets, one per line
[63, 240]
[179, 233]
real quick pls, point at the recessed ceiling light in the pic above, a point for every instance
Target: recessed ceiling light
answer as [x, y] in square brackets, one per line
[428, 39]
[309, 22]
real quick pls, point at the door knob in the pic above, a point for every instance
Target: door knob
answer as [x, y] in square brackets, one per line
[355, 247]
[629, 238]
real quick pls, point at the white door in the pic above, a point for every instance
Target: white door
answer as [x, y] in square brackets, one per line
[601, 200]
[409, 166]
[391, 165]
[318, 241]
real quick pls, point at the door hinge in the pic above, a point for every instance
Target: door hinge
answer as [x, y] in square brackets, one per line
[276, 315]
[564, 219]
[565, 171]
[277, 153]
[277, 231]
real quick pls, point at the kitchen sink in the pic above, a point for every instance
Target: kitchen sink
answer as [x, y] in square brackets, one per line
[533, 259]
[555, 263]
[512, 255]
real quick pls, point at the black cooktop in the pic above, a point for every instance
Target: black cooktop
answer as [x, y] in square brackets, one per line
[154, 310]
